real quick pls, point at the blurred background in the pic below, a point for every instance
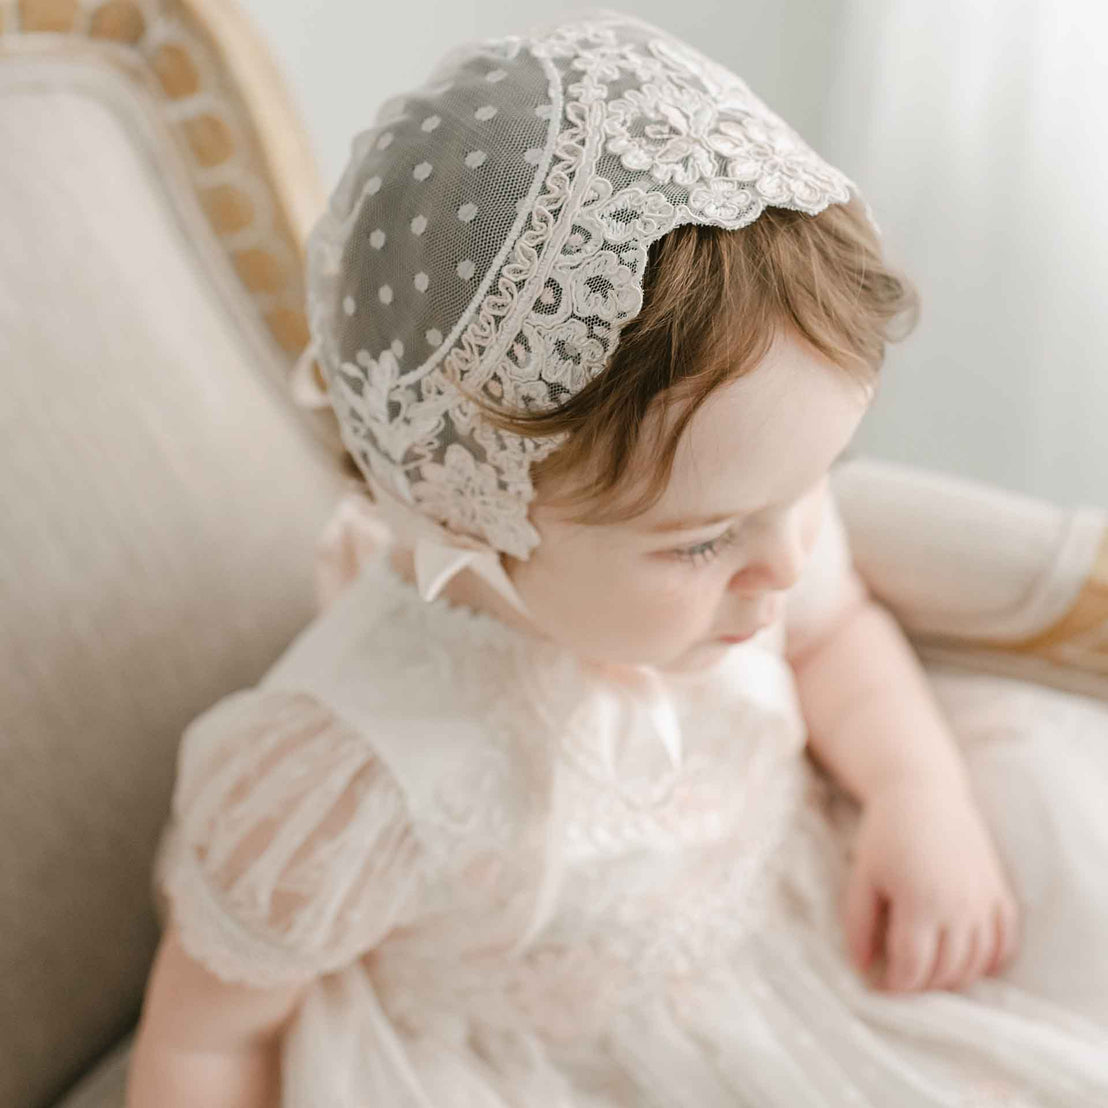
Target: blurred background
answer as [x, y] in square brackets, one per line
[975, 128]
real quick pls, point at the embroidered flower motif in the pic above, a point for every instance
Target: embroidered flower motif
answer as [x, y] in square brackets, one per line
[723, 199]
[572, 357]
[533, 396]
[782, 171]
[463, 493]
[634, 214]
[636, 133]
[602, 286]
[373, 399]
[686, 141]
[718, 80]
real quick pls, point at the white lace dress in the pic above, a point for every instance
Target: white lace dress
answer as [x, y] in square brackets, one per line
[506, 893]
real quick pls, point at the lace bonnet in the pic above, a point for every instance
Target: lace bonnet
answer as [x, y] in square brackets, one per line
[491, 229]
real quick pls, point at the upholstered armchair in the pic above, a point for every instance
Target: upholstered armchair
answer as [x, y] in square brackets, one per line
[161, 492]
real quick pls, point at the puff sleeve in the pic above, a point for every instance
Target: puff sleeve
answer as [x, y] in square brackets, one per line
[288, 851]
[828, 586]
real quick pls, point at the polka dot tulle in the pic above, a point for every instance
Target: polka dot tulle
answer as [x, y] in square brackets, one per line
[495, 220]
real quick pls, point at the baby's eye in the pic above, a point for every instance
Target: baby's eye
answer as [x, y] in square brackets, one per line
[704, 552]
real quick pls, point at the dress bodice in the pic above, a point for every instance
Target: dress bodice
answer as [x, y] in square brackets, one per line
[475, 810]
[500, 888]
[555, 824]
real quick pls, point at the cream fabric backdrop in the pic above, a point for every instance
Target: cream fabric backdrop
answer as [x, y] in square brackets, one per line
[977, 127]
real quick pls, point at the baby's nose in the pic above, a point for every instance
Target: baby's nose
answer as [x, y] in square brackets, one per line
[777, 557]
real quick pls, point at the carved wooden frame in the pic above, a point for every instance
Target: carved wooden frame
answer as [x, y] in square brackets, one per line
[225, 103]
[1071, 654]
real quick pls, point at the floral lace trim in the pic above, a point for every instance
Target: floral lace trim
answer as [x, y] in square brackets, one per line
[697, 146]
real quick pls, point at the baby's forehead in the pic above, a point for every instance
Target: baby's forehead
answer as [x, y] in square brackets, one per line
[760, 439]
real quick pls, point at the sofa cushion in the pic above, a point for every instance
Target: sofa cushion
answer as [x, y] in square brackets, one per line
[105, 1086]
[161, 497]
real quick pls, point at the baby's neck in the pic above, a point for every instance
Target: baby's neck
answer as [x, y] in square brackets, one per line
[468, 590]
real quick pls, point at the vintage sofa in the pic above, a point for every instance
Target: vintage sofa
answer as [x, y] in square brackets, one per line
[161, 491]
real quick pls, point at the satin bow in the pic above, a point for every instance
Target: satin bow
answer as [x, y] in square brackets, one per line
[359, 528]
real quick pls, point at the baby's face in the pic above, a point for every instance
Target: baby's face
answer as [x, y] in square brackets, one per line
[664, 588]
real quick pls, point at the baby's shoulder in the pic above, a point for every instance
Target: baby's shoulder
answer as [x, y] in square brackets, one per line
[434, 689]
[828, 584]
[380, 641]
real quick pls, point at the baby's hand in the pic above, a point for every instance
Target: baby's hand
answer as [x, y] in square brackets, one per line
[924, 853]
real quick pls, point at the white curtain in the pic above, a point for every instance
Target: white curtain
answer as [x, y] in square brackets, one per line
[977, 128]
[979, 131]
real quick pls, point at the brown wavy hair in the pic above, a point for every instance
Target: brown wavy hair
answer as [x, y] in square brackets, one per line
[713, 301]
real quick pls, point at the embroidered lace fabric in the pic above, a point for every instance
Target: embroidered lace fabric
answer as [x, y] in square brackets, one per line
[290, 844]
[495, 907]
[490, 233]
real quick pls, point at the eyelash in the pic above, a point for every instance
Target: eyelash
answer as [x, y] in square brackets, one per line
[702, 553]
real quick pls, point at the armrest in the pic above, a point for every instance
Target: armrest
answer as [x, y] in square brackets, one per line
[981, 576]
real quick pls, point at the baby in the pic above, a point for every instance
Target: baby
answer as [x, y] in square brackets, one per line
[433, 857]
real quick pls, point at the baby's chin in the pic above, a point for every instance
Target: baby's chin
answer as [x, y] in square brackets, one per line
[622, 651]
[700, 656]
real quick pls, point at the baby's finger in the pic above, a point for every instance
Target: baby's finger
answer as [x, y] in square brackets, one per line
[911, 951]
[1007, 916]
[863, 903]
[996, 934]
[982, 947]
[953, 954]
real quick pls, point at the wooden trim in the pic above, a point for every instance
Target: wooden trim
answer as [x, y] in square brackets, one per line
[244, 120]
[1019, 667]
[208, 50]
[57, 16]
[1078, 640]
[1087, 617]
[292, 169]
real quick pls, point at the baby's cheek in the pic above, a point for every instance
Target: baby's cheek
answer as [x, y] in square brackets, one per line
[631, 605]
[813, 518]
[666, 604]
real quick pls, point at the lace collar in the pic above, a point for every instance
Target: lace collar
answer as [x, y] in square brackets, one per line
[614, 687]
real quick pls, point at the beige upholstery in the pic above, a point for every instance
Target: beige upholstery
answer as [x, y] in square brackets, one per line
[982, 577]
[160, 495]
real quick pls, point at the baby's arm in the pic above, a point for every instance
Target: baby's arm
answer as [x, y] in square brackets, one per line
[203, 1041]
[290, 854]
[922, 848]
[871, 716]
